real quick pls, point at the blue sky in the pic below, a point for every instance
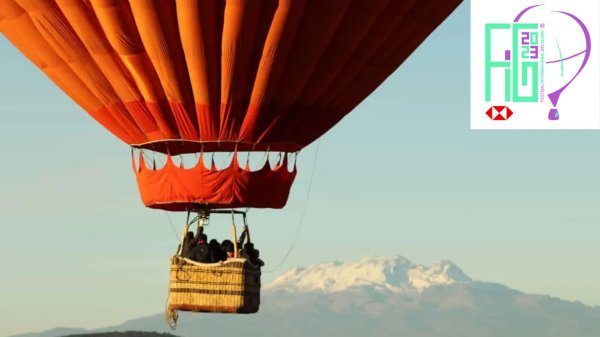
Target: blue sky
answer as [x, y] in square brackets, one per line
[403, 174]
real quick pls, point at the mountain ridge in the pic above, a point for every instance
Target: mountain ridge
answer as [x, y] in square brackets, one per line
[383, 296]
[394, 273]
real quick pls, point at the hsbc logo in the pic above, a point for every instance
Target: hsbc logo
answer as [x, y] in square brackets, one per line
[499, 113]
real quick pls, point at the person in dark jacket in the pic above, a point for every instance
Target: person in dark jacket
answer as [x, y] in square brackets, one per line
[201, 252]
[228, 249]
[257, 260]
[191, 241]
[251, 254]
[240, 242]
[247, 251]
[243, 237]
[188, 244]
[216, 253]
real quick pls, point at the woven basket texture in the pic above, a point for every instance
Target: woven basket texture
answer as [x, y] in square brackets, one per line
[229, 287]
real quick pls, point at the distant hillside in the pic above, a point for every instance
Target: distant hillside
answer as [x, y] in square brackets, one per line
[124, 334]
[379, 297]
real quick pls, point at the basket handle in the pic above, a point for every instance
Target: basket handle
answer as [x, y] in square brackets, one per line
[247, 229]
[186, 228]
[234, 232]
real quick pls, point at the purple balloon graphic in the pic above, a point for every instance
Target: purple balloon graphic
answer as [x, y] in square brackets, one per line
[555, 96]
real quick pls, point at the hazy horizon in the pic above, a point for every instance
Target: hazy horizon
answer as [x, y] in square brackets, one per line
[377, 296]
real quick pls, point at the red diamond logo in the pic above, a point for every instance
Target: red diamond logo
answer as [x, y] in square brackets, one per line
[499, 113]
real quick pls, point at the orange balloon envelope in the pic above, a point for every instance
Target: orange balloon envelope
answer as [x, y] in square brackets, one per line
[184, 76]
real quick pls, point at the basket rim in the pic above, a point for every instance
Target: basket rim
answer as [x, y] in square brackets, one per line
[217, 264]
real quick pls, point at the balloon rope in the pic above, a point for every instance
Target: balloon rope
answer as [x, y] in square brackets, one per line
[170, 314]
[173, 226]
[302, 216]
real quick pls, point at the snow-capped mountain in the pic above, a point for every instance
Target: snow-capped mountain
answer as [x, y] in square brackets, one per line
[394, 274]
[386, 296]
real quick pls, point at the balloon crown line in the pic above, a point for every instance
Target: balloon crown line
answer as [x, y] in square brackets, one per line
[215, 161]
[179, 146]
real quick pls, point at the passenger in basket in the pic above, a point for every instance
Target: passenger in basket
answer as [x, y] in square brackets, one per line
[257, 261]
[243, 237]
[228, 249]
[188, 245]
[251, 254]
[191, 241]
[215, 251]
[200, 252]
[246, 252]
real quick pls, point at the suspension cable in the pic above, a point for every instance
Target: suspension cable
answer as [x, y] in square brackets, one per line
[302, 215]
[173, 226]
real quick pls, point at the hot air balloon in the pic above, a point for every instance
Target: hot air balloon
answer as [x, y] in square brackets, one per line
[205, 76]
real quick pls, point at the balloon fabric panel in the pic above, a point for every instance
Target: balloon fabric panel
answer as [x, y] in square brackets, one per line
[265, 72]
[184, 76]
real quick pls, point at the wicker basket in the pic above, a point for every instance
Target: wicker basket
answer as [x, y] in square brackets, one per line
[228, 287]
